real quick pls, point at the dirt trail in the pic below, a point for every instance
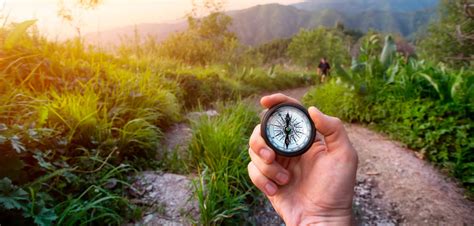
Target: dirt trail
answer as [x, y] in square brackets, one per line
[394, 186]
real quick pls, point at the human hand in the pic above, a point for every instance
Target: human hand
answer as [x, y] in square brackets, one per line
[314, 188]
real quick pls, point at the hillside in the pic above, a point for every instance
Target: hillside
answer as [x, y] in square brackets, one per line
[264, 23]
[358, 6]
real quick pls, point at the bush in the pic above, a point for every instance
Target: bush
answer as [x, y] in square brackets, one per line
[76, 122]
[439, 128]
[309, 46]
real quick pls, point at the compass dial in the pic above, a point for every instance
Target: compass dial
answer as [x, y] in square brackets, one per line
[288, 129]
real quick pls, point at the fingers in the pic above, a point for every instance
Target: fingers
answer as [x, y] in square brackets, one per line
[267, 172]
[330, 127]
[257, 143]
[263, 183]
[273, 171]
[272, 100]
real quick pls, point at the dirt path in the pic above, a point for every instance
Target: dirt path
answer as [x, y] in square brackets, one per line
[394, 186]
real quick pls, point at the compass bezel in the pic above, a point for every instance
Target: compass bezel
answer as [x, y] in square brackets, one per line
[263, 129]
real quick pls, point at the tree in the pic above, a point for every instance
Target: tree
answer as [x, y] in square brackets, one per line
[69, 11]
[309, 46]
[451, 39]
[206, 40]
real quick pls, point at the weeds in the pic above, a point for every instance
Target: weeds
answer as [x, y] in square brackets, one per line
[75, 122]
[429, 107]
[219, 152]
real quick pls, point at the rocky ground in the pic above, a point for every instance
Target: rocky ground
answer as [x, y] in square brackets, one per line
[393, 187]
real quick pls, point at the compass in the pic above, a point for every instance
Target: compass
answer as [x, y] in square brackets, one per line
[288, 129]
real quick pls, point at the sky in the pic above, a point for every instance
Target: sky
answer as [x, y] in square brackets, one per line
[107, 15]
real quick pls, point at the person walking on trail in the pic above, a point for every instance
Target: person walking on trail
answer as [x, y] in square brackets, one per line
[323, 69]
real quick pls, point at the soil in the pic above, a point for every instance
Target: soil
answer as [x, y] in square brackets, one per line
[393, 185]
[168, 198]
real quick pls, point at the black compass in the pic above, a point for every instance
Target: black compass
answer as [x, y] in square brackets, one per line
[288, 129]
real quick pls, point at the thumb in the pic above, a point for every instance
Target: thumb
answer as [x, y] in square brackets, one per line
[331, 128]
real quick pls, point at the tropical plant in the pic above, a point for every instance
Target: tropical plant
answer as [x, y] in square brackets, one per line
[309, 46]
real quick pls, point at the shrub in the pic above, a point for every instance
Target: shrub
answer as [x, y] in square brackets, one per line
[429, 113]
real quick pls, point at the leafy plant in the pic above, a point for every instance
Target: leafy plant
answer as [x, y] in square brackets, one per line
[309, 46]
[17, 33]
[31, 205]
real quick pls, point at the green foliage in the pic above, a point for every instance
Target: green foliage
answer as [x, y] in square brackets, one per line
[429, 107]
[17, 33]
[199, 43]
[11, 196]
[370, 69]
[273, 51]
[335, 98]
[76, 122]
[31, 205]
[388, 53]
[95, 204]
[449, 39]
[219, 151]
[309, 46]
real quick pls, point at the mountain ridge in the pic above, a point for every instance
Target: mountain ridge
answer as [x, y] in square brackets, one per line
[263, 23]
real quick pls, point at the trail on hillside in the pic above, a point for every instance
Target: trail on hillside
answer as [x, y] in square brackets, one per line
[394, 186]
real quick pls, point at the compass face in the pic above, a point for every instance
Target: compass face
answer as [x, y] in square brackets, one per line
[288, 129]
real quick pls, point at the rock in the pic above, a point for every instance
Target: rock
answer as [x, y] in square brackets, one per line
[169, 197]
[149, 188]
[196, 115]
[366, 210]
[264, 214]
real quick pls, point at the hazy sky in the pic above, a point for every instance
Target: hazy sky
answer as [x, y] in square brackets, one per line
[109, 14]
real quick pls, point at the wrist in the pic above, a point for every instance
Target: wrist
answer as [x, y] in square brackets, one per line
[324, 216]
[328, 220]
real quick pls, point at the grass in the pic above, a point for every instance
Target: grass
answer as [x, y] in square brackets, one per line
[72, 116]
[218, 151]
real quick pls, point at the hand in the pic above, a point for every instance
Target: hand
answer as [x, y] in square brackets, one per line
[316, 187]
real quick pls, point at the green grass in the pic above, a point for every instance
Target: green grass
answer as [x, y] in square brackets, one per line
[72, 114]
[219, 152]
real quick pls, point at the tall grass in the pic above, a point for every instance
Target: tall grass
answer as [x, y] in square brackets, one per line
[219, 152]
[71, 114]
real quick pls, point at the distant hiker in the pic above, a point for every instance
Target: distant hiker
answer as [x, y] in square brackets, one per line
[323, 69]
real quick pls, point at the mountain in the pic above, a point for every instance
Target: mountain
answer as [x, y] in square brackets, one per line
[358, 6]
[263, 23]
[115, 36]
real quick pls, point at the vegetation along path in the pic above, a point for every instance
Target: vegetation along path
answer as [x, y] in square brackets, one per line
[395, 186]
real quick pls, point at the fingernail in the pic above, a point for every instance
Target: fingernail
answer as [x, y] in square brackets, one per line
[265, 153]
[270, 188]
[282, 178]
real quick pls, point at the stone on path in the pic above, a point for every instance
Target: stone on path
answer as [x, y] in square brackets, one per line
[169, 198]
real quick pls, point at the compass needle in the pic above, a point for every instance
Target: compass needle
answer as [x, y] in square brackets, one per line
[288, 129]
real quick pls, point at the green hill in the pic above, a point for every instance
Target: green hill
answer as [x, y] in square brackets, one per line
[358, 6]
[264, 23]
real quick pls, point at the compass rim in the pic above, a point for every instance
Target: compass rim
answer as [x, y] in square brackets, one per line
[263, 129]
